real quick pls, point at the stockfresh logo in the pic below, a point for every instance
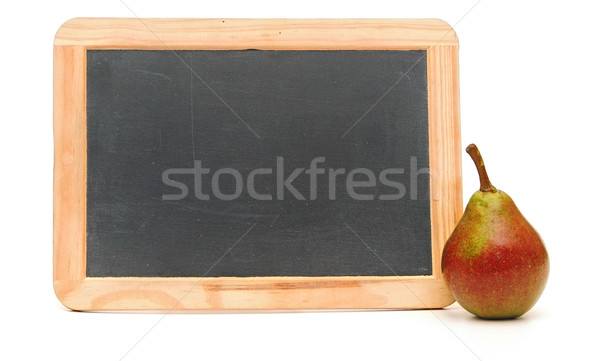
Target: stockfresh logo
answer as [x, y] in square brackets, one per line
[207, 183]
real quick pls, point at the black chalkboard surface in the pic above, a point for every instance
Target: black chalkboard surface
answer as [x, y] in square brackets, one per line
[173, 138]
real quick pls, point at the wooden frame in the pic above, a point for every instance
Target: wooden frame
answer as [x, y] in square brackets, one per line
[76, 291]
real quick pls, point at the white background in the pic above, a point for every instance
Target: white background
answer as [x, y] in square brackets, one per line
[530, 77]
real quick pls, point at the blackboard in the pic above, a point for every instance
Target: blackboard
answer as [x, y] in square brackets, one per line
[151, 111]
[209, 164]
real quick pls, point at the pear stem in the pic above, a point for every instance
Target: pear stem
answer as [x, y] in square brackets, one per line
[485, 184]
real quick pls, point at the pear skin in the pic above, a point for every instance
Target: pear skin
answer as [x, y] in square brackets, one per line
[495, 263]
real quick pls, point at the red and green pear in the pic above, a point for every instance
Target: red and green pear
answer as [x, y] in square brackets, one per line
[495, 263]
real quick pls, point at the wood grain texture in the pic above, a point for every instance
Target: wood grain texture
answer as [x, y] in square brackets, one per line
[444, 147]
[76, 36]
[254, 293]
[216, 34]
[69, 162]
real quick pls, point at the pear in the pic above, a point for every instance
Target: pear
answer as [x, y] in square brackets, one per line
[495, 263]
